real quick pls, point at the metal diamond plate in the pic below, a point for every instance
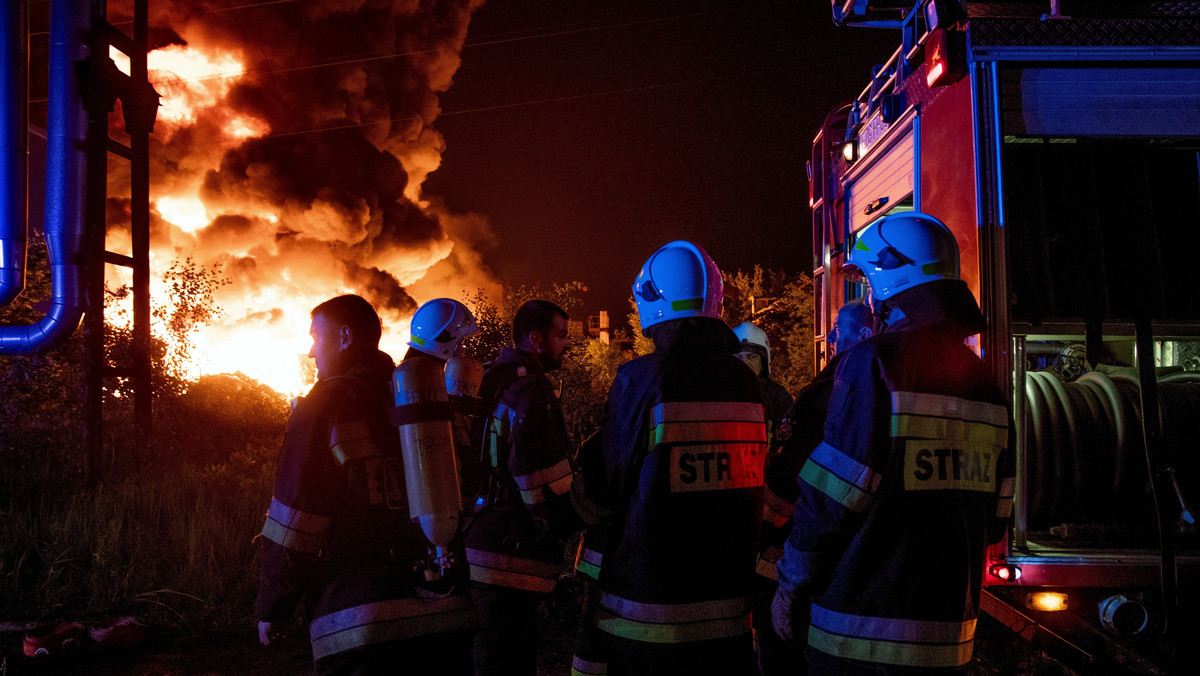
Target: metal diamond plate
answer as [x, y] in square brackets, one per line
[1083, 9]
[1085, 32]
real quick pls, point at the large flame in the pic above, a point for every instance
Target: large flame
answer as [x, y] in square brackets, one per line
[296, 169]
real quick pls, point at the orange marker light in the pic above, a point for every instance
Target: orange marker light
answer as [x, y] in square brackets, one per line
[1047, 601]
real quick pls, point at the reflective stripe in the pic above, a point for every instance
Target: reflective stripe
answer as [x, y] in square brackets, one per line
[687, 304]
[588, 510]
[557, 478]
[710, 430]
[560, 486]
[722, 421]
[511, 571]
[953, 408]
[589, 563]
[390, 620]
[841, 477]
[543, 477]
[582, 667]
[674, 622]
[294, 529]
[954, 431]
[776, 511]
[915, 643]
[587, 569]
[591, 556]
[766, 562]
[352, 441]
[498, 426]
[682, 411]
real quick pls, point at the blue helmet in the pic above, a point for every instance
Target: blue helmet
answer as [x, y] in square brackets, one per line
[679, 280]
[900, 251]
[439, 326]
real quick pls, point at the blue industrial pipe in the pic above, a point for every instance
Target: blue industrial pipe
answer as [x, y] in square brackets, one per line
[66, 170]
[13, 153]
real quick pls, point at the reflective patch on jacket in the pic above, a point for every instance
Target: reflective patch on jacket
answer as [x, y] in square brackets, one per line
[715, 445]
[674, 622]
[293, 529]
[950, 443]
[914, 643]
[390, 620]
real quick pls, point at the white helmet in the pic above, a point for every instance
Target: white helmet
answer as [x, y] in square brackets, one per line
[900, 251]
[750, 336]
[439, 326]
[679, 280]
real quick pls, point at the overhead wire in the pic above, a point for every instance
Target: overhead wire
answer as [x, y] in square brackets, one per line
[391, 55]
[487, 41]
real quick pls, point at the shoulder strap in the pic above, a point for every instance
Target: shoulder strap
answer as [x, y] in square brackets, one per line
[501, 486]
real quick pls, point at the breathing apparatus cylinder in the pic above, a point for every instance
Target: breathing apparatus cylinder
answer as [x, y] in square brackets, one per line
[424, 416]
[464, 375]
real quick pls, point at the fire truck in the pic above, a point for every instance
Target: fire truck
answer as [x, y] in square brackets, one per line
[1060, 141]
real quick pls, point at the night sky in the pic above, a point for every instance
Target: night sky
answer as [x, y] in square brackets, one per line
[590, 133]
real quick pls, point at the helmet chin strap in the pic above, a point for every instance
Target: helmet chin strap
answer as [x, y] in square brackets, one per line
[880, 316]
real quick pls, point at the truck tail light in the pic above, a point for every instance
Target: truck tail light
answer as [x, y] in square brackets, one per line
[1005, 571]
[944, 57]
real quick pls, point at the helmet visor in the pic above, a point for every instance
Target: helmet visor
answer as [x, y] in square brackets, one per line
[853, 273]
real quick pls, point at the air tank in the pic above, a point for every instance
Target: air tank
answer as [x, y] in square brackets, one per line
[424, 416]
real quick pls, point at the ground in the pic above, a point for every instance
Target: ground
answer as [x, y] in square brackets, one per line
[220, 652]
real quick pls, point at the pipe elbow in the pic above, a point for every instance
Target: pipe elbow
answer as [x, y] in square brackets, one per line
[54, 328]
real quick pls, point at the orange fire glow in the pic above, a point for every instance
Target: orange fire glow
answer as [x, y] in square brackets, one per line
[281, 257]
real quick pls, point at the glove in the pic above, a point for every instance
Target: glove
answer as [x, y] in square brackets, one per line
[781, 614]
[793, 573]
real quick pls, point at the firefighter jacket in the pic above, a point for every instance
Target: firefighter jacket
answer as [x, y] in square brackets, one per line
[680, 465]
[338, 534]
[776, 402]
[798, 432]
[900, 500]
[517, 539]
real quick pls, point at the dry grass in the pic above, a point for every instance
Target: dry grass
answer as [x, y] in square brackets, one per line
[171, 545]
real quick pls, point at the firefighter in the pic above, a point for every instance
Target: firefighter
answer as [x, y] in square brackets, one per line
[680, 465]
[338, 537]
[913, 478]
[756, 353]
[515, 546]
[437, 329]
[800, 430]
[590, 656]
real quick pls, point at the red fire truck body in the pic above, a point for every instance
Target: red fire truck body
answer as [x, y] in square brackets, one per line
[1061, 144]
